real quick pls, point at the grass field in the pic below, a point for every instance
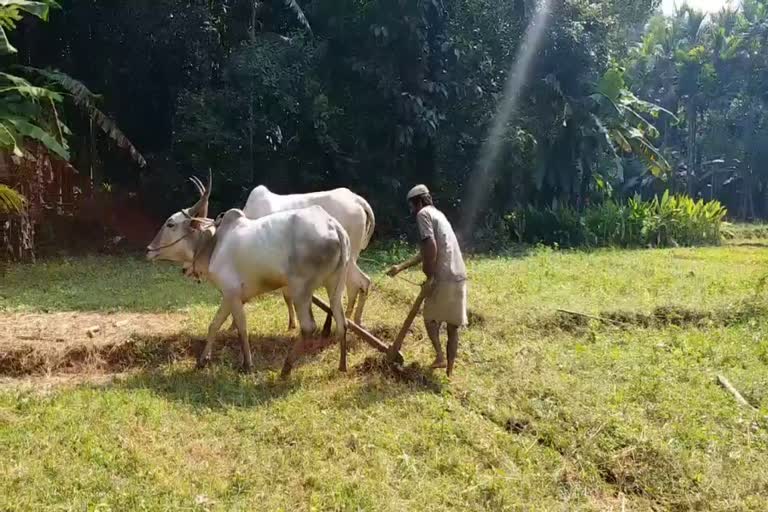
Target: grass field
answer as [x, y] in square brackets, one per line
[547, 410]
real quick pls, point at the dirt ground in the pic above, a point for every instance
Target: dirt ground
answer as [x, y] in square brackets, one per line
[44, 343]
[59, 347]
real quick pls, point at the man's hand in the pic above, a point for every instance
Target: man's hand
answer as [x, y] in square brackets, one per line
[393, 270]
[428, 286]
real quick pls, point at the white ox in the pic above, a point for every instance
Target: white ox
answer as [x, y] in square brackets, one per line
[297, 251]
[351, 210]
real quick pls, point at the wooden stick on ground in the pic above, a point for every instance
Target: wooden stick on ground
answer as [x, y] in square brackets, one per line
[352, 326]
[364, 334]
[592, 317]
[735, 392]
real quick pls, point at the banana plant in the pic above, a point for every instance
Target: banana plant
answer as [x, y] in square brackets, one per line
[31, 112]
[27, 110]
[628, 129]
[12, 11]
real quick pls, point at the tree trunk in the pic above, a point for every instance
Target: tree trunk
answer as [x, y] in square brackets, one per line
[17, 237]
[93, 165]
[692, 121]
[586, 175]
[747, 176]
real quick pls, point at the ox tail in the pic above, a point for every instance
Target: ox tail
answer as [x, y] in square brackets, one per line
[370, 222]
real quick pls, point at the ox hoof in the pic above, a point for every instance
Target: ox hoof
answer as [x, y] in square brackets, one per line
[246, 369]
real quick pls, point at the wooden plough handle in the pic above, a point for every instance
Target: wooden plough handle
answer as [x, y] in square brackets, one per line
[365, 335]
[409, 319]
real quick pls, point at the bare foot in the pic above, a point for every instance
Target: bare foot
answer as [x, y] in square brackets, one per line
[439, 363]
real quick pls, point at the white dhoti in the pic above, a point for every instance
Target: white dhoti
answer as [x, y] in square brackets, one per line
[447, 303]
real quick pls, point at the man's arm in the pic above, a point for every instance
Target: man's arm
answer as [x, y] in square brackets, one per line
[429, 257]
[396, 269]
[428, 253]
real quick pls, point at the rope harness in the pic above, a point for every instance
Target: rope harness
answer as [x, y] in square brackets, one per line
[208, 223]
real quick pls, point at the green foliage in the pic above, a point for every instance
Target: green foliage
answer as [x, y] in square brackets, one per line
[10, 200]
[30, 111]
[26, 110]
[86, 101]
[711, 71]
[661, 222]
[294, 6]
[11, 13]
[380, 96]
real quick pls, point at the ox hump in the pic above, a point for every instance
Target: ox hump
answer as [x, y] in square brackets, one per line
[259, 192]
[230, 217]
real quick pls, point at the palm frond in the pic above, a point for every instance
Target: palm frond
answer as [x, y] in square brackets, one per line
[299, 13]
[655, 161]
[10, 200]
[86, 100]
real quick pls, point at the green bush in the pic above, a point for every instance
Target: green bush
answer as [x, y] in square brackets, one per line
[661, 222]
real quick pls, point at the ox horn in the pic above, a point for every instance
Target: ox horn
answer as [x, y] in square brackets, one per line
[200, 208]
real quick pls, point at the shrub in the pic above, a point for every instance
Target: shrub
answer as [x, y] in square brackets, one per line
[661, 222]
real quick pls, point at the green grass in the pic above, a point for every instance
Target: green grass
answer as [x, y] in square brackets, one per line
[545, 413]
[757, 231]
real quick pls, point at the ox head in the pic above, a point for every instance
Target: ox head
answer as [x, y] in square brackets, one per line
[176, 240]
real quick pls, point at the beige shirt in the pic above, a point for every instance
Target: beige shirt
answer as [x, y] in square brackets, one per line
[433, 224]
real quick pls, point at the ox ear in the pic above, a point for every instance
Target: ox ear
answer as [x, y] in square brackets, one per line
[197, 224]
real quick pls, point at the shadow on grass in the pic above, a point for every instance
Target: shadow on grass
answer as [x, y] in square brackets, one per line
[413, 374]
[217, 387]
[759, 245]
[221, 385]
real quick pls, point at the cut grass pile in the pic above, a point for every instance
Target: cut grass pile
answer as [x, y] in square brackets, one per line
[548, 411]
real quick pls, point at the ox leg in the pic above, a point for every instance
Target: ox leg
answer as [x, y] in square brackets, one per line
[353, 289]
[326, 332]
[341, 323]
[238, 317]
[291, 311]
[232, 326]
[365, 287]
[308, 326]
[358, 284]
[218, 319]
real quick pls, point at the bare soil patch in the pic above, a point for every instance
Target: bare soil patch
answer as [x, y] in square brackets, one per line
[88, 345]
[44, 343]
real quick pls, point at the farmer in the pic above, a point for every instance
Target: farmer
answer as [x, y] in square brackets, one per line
[446, 285]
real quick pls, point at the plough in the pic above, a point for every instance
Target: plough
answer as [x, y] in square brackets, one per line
[392, 351]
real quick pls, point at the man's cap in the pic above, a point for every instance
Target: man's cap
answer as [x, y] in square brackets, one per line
[418, 190]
